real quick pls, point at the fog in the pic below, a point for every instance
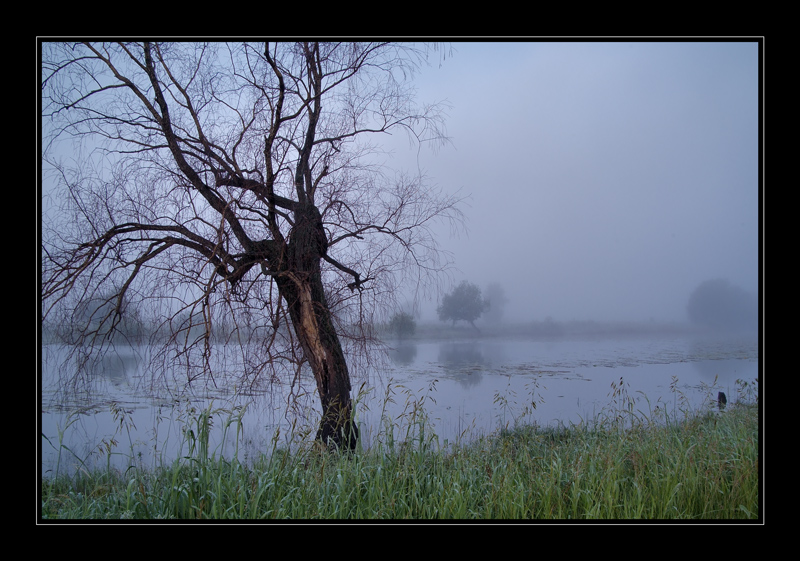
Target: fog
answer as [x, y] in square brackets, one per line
[606, 180]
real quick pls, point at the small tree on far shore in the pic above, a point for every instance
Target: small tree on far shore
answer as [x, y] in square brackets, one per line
[403, 325]
[464, 303]
[719, 304]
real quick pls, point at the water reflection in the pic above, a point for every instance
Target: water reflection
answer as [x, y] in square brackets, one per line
[457, 355]
[724, 372]
[116, 366]
[480, 384]
[724, 360]
[463, 362]
[403, 354]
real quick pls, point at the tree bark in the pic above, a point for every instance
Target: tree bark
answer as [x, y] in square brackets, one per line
[300, 285]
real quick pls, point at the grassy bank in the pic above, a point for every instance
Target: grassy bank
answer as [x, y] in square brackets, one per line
[705, 467]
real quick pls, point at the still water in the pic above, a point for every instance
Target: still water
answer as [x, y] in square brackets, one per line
[464, 388]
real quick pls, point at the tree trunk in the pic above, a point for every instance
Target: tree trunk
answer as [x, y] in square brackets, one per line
[301, 287]
[314, 328]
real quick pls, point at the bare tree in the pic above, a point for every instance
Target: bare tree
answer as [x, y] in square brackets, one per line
[230, 193]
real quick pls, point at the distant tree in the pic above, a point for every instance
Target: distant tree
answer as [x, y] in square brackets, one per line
[464, 303]
[403, 325]
[496, 297]
[551, 327]
[719, 304]
[106, 312]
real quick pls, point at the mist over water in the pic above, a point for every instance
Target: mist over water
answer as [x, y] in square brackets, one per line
[463, 387]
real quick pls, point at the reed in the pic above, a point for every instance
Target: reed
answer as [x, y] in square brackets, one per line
[622, 466]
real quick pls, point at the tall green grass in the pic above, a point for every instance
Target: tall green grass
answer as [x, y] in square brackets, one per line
[619, 467]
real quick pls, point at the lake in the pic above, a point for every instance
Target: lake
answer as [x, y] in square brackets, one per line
[465, 387]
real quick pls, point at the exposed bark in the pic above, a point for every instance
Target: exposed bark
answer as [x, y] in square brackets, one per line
[300, 284]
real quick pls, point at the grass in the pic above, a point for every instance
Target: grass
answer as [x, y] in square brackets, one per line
[704, 467]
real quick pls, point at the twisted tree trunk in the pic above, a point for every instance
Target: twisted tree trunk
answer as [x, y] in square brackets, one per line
[300, 285]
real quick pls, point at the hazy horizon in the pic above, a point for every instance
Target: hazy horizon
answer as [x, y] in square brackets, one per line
[607, 180]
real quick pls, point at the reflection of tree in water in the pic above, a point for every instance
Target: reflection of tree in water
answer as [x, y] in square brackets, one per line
[115, 366]
[725, 358]
[404, 354]
[462, 361]
[726, 372]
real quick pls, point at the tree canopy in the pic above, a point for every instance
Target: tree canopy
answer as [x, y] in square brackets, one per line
[402, 325]
[719, 304]
[465, 303]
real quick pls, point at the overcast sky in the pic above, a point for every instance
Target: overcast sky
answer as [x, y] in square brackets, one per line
[607, 180]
